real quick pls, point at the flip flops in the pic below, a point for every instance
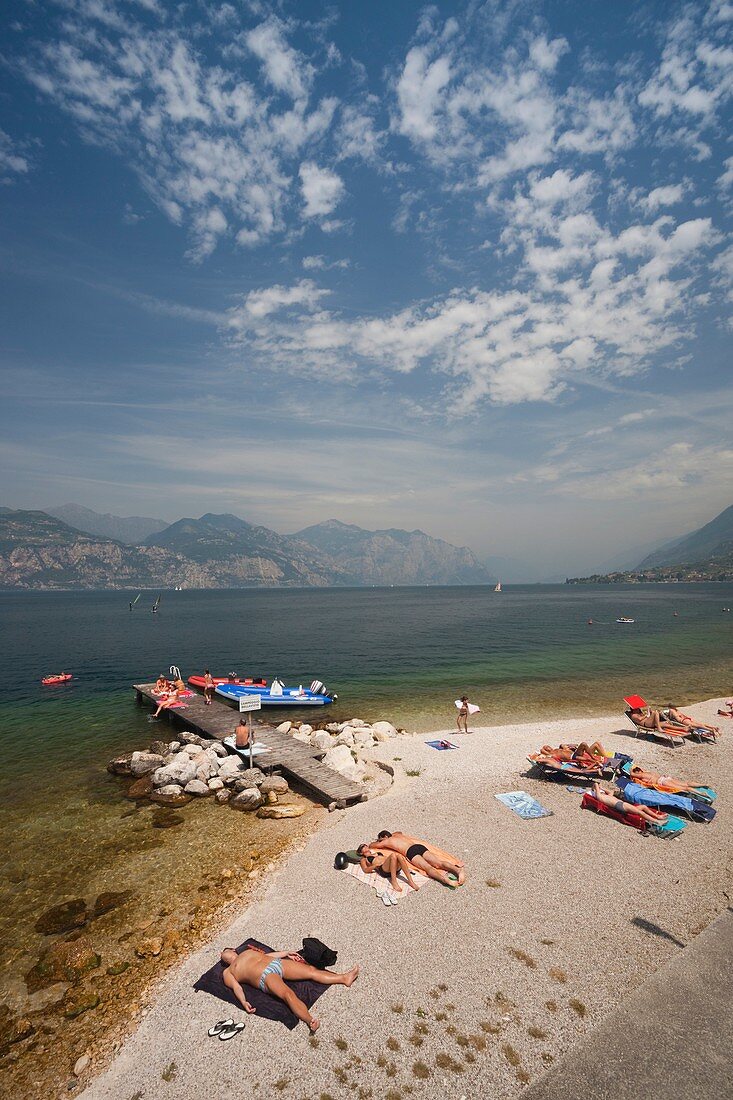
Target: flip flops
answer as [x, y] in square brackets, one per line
[219, 1027]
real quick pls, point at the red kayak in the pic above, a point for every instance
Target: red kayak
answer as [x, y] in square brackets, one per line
[198, 681]
[62, 678]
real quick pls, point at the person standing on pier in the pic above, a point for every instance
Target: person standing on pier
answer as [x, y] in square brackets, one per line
[208, 687]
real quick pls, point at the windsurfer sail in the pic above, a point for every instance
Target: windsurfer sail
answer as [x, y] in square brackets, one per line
[498, 587]
[156, 605]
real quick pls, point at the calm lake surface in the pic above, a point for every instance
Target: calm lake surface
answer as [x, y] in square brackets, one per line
[402, 654]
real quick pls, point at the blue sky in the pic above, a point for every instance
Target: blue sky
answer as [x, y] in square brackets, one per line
[464, 267]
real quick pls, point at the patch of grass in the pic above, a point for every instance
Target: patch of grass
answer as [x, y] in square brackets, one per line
[523, 1076]
[420, 1070]
[341, 1044]
[282, 1084]
[547, 943]
[364, 1093]
[450, 1008]
[450, 1030]
[469, 1056]
[523, 957]
[489, 1028]
[341, 1075]
[536, 1032]
[314, 1042]
[444, 1061]
[421, 1013]
[434, 993]
[462, 1040]
[557, 974]
[477, 1042]
[391, 1069]
[325, 1096]
[511, 1055]
[170, 1072]
[416, 1040]
[441, 1016]
[393, 1094]
[577, 1006]
[414, 772]
[502, 1001]
[442, 987]
[381, 1061]
[547, 1058]
[421, 1029]
[392, 1044]
[398, 1008]
[493, 883]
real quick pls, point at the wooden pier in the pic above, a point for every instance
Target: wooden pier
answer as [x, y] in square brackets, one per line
[296, 760]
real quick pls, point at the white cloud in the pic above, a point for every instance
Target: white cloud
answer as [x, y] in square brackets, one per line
[322, 190]
[259, 304]
[419, 89]
[284, 67]
[668, 195]
[13, 161]
[320, 263]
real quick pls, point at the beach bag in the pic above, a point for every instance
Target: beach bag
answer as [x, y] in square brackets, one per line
[317, 954]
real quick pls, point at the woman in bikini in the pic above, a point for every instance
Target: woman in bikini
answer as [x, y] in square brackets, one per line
[670, 713]
[167, 701]
[591, 754]
[161, 686]
[664, 783]
[209, 687]
[424, 857]
[270, 971]
[387, 864]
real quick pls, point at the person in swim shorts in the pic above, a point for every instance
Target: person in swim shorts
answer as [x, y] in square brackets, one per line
[654, 817]
[424, 857]
[270, 971]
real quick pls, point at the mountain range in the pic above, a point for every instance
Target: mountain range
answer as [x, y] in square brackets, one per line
[40, 550]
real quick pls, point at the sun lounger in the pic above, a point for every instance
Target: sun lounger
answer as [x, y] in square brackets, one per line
[673, 826]
[642, 796]
[554, 768]
[667, 785]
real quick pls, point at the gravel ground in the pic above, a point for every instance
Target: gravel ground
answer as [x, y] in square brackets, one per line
[467, 992]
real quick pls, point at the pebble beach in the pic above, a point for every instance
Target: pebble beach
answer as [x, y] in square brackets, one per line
[479, 989]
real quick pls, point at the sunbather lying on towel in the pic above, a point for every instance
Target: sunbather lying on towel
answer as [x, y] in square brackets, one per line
[270, 971]
[167, 701]
[654, 817]
[387, 864]
[425, 857]
[594, 753]
[670, 713]
[661, 782]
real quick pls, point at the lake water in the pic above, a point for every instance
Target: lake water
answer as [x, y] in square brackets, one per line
[401, 654]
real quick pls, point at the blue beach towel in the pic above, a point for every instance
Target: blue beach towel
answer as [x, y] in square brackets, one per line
[523, 805]
[442, 745]
[673, 826]
[641, 796]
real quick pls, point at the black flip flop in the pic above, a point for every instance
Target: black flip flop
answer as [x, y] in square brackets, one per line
[219, 1027]
[230, 1032]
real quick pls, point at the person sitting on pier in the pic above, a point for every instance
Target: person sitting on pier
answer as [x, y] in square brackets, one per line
[386, 864]
[161, 686]
[167, 701]
[424, 857]
[241, 734]
[270, 971]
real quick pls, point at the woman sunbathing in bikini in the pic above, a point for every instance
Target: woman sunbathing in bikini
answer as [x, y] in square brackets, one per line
[663, 783]
[424, 857]
[167, 701]
[270, 971]
[670, 713]
[161, 686]
[646, 719]
[593, 754]
[654, 817]
[384, 863]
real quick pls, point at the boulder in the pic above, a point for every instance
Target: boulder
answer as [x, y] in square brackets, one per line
[193, 751]
[141, 788]
[160, 748]
[346, 737]
[334, 727]
[230, 768]
[383, 731]
[251, 777]
[109, 900]
[148, 947]
[305, 728]
[298, 735]
[363, 737]
[64, 961]
[121, 765]
[80, 1065]
[206, 771]
[321, 740]
[197, 788]
[277, 812]
[179, 769]
[218, 749]
[62, 918]
[249, 799]
[275, 784]
[170, 795]
[215, 784]
[340, 759]
[189, 738]
[174, 746]
[13, 1029]
[357, 722]
[223, 796]
[284, 727]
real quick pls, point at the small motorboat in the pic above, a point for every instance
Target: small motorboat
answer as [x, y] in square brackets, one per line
[247, 681]
[59, 678]
[277, 695]
[623, 619]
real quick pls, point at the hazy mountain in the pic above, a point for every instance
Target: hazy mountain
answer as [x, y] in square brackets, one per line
[40, 551]
[129, 529]
[241, 553]
[714, 540]
[393, 556]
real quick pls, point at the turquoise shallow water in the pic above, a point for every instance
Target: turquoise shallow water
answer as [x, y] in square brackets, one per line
[403, 654]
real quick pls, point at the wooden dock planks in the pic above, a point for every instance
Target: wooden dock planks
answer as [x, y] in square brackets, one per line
[296, 759]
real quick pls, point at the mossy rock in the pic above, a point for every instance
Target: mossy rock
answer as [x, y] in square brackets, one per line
[78, 1002]
[118, 968]
[64, 961]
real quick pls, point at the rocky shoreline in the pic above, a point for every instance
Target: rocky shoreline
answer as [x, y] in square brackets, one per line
[102, 955]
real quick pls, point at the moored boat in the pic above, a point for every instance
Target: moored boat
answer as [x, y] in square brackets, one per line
[248, 681]
[59, 678]
[277, 695]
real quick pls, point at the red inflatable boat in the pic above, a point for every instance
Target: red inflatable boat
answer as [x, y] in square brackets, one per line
[198, 681]
[62, 678]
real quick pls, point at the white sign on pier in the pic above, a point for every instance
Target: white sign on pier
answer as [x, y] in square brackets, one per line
[248, 703]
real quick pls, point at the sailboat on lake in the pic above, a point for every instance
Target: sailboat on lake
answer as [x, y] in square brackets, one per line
[498, 587]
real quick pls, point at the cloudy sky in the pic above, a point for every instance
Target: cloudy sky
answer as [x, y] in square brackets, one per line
[464, 267]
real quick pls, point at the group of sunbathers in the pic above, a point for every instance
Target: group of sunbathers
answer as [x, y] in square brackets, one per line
[654, 720]
[170, 691]
[391, 853]
[585, 757]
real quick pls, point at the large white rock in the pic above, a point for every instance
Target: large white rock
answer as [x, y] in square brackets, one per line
[284, 727]
[230, 767]
[346, 737]
[144, 762]
[321, 740]
[205, 771]
[180, 769]
[192, 750]
[363, 736]
[357, 722]
[305, 728]
[217, 749]
[383, 731]
[298, 735]
[215, 784]
[340, 759]
[249, 799]
[196, 787]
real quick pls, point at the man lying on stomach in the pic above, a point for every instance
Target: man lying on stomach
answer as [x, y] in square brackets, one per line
[425, 857]
[270, 971]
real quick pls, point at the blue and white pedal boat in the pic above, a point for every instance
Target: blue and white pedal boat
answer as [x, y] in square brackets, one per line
[277, 695]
